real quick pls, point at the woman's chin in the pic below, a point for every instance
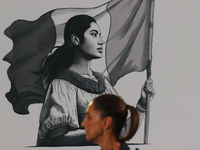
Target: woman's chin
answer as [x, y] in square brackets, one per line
[97, 57]
[88, 139]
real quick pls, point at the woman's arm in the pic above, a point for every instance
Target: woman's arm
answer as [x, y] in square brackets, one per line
[59, 116]
[147, 88]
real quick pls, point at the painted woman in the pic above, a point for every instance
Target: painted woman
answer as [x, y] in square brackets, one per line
[71, 84]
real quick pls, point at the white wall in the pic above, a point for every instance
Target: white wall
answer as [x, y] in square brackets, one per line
[175, 110]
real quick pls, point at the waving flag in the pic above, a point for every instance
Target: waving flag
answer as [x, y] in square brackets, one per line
[123, 23]
[128, 41]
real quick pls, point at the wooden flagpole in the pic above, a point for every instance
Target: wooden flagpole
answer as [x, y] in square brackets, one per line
[148, 69]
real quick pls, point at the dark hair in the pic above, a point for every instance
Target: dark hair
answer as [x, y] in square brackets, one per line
[113, 106]
[63, 57]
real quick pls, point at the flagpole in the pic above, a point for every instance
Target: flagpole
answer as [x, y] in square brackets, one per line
[148, 70]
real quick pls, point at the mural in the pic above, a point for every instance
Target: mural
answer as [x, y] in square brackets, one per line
[174, 111]
[51, 63]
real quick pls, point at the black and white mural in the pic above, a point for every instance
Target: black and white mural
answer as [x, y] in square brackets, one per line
[62, 54]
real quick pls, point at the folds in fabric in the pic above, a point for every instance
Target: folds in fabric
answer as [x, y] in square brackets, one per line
[32, 41]
[128, 42]
[124, 26]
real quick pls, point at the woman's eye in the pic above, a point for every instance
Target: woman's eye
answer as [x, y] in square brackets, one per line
[94, 34]
[88, 117]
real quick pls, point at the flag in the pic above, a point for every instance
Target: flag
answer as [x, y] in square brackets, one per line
[128, 42]
[124, 26]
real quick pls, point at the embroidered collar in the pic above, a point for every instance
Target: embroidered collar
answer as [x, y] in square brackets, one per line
[86, 84]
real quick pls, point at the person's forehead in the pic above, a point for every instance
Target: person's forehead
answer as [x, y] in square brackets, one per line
[94, 26]
[89, 107]
[91, 110]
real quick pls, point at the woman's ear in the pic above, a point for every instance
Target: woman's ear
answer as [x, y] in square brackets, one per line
[108, 121]
[75, 39]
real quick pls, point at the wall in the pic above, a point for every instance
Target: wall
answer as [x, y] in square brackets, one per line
[175, 110]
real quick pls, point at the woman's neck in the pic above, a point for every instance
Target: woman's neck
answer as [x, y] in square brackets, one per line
[109, 142]
[82, 67]
[81, 63]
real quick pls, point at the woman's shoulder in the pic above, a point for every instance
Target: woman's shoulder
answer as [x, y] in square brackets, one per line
[95, 84]
[62, 85]
[58, 81]
[124, 146]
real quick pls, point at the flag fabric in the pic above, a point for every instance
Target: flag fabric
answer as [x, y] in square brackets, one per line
[128, 42]
[31, 43]
[124, 25]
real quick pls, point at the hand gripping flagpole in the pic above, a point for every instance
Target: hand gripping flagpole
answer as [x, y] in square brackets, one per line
[148, 69]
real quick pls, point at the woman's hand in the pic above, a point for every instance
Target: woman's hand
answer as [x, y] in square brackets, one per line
[147, 89]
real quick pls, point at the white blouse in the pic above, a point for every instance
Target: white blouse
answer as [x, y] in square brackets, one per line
[65, 106]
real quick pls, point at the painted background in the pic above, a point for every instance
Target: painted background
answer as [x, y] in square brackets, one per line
[175, 111]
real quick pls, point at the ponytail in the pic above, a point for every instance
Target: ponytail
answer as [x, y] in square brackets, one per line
[133, 124]
[114, 106]
[62, 58]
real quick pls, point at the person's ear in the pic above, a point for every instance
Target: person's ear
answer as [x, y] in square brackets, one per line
[75, 39]
[107, 122]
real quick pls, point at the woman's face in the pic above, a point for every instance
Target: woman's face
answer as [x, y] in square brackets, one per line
[92, 45]
[93, 124]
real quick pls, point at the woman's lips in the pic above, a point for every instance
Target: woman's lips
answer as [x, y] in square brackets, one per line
[86, 132]
[100, 49]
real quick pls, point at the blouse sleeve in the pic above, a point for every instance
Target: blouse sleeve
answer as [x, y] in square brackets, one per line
[59, 111]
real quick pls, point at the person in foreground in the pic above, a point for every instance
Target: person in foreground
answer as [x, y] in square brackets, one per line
[106, 116]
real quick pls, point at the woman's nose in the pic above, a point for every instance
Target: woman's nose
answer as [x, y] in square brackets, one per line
[83, 123]
[100, 42]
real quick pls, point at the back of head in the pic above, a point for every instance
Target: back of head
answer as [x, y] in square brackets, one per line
[113, 106]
